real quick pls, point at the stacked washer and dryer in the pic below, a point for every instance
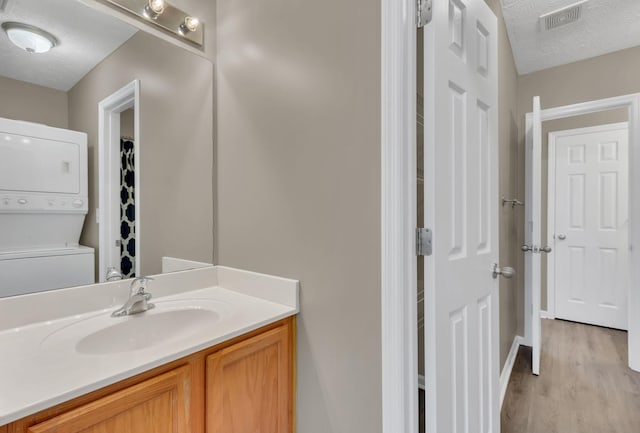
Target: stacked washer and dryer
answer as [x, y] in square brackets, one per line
[43, 205]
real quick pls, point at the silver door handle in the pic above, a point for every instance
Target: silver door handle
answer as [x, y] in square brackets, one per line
[526, 248]
[546, 249]
[506, 272]
[562, 237]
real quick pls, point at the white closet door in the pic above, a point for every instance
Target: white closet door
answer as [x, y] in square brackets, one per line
[591, 225]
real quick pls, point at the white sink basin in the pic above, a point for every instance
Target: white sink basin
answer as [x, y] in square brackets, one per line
[168, 322]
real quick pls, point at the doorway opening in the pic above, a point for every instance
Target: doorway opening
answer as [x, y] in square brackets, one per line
[533, 292]
[119, 183]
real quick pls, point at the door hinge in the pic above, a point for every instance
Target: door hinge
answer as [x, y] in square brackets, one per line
[424, 241]
[424, 12]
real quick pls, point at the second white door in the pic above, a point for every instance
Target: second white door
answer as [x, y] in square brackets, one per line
[591, 224]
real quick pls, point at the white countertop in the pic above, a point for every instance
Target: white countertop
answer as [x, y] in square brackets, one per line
[36, 374]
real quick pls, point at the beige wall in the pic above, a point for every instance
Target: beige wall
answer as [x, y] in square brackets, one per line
[127, 123]
[299, 186]
[509, 185]
[176, 111]
[25, 101]
[601, 77]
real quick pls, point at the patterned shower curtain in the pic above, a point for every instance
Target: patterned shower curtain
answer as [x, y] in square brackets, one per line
[127, 209]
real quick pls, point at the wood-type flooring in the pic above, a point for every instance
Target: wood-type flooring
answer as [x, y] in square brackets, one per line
[585, 384]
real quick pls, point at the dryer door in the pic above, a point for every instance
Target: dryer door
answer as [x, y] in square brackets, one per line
[29, 164]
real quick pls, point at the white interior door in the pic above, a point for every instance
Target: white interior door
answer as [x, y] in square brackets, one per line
[532, 231]
[461, 201]
[591, 224]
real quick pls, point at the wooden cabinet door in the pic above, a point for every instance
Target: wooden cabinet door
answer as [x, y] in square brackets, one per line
[158, 405]
[250, 385]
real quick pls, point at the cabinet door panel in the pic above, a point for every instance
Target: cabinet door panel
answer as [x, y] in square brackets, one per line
[159, 405]
[249, 385]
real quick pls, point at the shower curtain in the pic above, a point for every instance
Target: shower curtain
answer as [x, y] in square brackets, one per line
[127, 209]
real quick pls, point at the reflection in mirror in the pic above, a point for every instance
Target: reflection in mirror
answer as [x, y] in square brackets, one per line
[60, 60]
[127, 239]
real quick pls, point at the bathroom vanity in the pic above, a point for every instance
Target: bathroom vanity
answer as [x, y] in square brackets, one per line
[215, 355]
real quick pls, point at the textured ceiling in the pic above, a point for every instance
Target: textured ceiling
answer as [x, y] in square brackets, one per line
[605, 26]
[85, 38]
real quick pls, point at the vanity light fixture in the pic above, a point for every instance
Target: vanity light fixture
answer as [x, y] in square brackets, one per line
[153, 9]
[29, 38]
[163, 14]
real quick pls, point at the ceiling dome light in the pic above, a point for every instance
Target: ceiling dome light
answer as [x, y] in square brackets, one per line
[29, 38]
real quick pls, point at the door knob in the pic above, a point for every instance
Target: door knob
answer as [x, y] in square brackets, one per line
[526, 248]
[506, 272]
[546, 249]
[562, 237]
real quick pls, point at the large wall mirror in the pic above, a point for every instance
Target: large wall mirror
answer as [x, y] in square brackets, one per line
[106, 149]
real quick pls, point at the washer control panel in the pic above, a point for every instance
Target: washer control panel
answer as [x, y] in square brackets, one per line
[47, 203]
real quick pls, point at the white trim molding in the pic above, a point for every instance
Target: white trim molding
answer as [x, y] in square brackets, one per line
[545, 315]
[398, 218]
[551, 224]
[505, 375]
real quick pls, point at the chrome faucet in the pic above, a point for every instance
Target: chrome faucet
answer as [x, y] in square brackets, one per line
[138, 301]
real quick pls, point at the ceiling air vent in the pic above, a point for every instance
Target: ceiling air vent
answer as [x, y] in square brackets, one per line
[562, 16]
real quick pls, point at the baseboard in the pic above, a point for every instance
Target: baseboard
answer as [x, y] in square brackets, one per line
[421, 382]
[508, 367]
[546, 315]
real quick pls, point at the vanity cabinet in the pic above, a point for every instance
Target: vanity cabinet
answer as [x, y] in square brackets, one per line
[249, 386]
[244, 385]
[159, 405]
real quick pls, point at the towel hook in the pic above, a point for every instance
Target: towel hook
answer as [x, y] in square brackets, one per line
[512, 201]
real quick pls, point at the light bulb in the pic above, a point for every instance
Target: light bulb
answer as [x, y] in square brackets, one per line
[157, 6]
[154, 8]
[190, 24]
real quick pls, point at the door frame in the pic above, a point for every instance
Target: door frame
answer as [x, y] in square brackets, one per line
[551, 204]
[632, 103]
[109, 110]
[399, 330]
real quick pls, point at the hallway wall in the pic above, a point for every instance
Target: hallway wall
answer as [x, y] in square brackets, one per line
[605, 76]
[509, 185]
